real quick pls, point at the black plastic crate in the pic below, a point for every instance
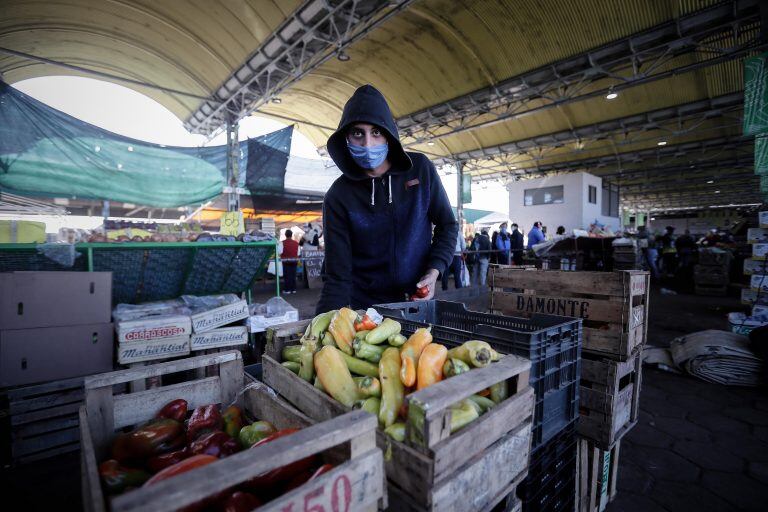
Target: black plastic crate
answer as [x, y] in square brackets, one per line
[551, 480]
[552, 343]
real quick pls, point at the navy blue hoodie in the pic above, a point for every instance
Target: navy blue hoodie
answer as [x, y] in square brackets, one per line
[379, 240]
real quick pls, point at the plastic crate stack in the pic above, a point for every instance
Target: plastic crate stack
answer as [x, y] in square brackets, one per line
[756, 295]
[711, 275]
[553, 344]
[613, 306]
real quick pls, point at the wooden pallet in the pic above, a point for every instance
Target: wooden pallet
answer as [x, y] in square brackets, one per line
[609, 398]
[473, 469]
[43, 419]
[347, 441]
[597, 474]
[613, 305]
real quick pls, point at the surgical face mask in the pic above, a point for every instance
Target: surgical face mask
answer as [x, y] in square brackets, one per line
[368, 157]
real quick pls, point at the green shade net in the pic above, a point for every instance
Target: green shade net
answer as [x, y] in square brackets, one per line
[761, 155]
[45, 152]
[756, 95]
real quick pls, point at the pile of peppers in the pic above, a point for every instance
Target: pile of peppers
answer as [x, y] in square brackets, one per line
[175, 441]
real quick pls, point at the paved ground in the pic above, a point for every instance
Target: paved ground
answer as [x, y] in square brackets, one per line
[697, 446]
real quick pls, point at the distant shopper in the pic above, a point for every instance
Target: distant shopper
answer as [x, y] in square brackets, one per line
[290, 251]
[668, 252]
[503, 245]
[455, 266]
[482, 243]
[535, 235]
[647, 244]
[560, 230]
[517, 245]
[686, 247]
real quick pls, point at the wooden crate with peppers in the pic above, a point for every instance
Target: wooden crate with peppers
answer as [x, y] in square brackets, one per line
[455, 425]
[173, 447]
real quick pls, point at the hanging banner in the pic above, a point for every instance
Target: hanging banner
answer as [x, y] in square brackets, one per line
[756, 95]
[466, 189]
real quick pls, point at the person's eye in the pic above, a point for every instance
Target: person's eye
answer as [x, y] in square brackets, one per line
[376, 133]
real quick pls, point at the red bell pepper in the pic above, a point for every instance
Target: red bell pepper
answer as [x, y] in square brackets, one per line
[268, 481]
[117, 478]
[276, 435]
[160, 462]
[420, 293]
[233, 420]
[218, 444]
[240, 501]
[174, 410]
[365, 324]
[306, 476]
[321, 471]
[194, 462]
[206, 418]
[160, 436]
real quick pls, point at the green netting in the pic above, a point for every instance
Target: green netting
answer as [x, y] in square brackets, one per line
[763, 183]
[761, 155]
[756, 95]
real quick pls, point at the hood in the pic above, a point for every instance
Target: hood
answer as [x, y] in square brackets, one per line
[367, 105]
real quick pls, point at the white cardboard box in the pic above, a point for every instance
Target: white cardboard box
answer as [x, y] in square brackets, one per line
[760, 312]
[209, 320]
[223, 337]
[259, 323]
[151, 350]
[750, 297]
[153, 328]
[755, 266]
[757, 236]
[759, 283]
[763, 219]
[759, 251]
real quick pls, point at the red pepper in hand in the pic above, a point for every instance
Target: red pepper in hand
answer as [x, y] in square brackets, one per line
[117, 478]
[365, 324]
[233, 420]
[160, 462]
[174, 410]
[240, 501]
[420, 293]
[206, 418]
[218, 444]
[161, 436]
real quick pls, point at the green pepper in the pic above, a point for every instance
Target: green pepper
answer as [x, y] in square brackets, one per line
[368, 386]
[371, 405]
[291, 353]
[117, 478]
[233, 420]
[306, 359]
[397, 340]
[294, 367]
[453, 367]
[396, 431]
[255, 432]
[367, 351]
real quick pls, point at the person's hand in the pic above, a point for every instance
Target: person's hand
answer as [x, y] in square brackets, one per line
[429, 279]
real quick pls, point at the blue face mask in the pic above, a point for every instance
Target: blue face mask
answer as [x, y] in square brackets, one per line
[368, 157]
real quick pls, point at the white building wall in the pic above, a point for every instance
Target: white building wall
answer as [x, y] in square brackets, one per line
[573, 213]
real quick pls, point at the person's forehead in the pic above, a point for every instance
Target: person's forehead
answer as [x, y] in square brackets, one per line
[364, 126]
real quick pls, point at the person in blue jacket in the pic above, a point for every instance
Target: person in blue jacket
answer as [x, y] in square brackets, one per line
[378, 216]
[503, 245]
[535, 235]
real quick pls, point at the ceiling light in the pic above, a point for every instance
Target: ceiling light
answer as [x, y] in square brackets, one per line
[513, 167]
[710, 182]
[612, 95]
[653, 218]
[342, 56]
[277, 100]
[717, 191]
[430, 143]
[661, 143]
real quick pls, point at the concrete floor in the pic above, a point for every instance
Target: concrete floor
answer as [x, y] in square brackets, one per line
[697, 446]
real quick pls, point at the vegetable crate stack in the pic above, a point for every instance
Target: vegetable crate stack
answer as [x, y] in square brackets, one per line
[597, 475]
[613, 307]
[54, 328]
[711, 275]
[173, 447]
[756, 295]
[626, 255]
[455, 424]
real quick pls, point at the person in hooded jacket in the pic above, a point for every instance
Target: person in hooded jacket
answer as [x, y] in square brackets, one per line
[378, 216]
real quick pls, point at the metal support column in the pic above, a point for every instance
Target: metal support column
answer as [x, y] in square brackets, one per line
[233, 172]
[459, 190]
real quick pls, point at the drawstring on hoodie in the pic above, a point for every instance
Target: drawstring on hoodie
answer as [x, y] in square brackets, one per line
[373, 190]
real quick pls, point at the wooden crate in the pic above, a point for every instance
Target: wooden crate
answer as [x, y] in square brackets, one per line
[613, 305]
[597, 474]
[473, 469]
[609, 398]
[44, 420]
[711, 290]
[347, 441]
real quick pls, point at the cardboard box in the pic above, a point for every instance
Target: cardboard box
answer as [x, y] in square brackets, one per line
[260, 323]
[153, 328]
[751, 297]
[30, 300]
[755, 266]
[757, 236]
[759, 283]
[54, 353]
[759, 251]
[209, 320]
[128, 353]
[763, 219]
[223, 337]
[760, 312]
